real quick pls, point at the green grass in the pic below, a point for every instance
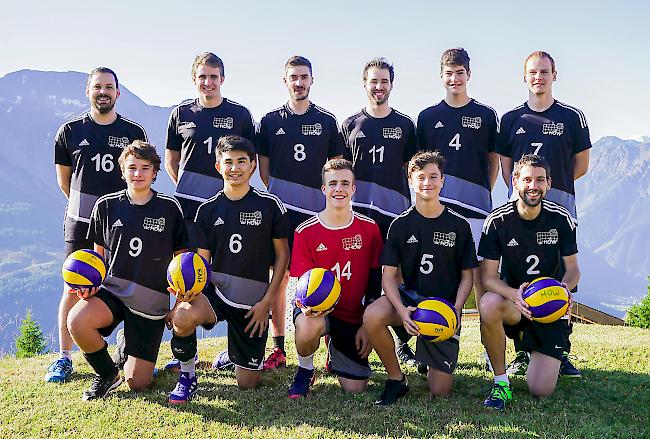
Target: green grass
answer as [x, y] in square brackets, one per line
[611, 401]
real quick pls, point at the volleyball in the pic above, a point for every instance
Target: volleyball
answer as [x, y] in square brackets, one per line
[188, 272]
[318, 289]
[436, 318]
[547, 299]
[84, 269]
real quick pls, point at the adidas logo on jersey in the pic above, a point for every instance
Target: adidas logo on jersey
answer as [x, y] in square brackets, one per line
[513, 243]
[280, 132]
[359, 135]
[412, 240]
[521, 130]
[117, 223]
[218, 222]
[84, 142]
[439, 125]
[187, 125]
[321, 247]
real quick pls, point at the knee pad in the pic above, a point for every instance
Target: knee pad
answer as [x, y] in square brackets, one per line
[184, 348]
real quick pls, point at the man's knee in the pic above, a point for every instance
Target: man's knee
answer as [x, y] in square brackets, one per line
[248, 380]
[376, 314]
[308, 329]
[491, 307]
[354, 386]
[540, 389]
[138, 382]
[185, 321]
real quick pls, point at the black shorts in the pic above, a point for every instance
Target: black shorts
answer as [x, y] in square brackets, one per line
[142, 335]
[79, 244]
[442, 356]
[546, 338]
[344, 359]
[244, 351]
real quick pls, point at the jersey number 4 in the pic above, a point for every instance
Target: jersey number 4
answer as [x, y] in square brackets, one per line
[455, 142]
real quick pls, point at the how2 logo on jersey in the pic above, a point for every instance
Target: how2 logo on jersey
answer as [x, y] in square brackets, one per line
[553, 129]
[444, 239]
[353, 243]
[312, 130]
[154, 224]
[118, 142]
[471, 122]
[250, 219]
[548, 238]
[392, 133]
[223, 122]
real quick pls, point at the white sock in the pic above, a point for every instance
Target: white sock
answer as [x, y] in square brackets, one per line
[65, 353]
[188, 367]
[306, 362]
[502, 378]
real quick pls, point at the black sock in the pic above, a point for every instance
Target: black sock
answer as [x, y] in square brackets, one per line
[278, 342]
[184, 348]
[402, 336]
[101, 362]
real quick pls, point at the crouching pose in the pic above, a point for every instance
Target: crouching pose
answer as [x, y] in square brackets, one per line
[137, 231]
[237, 231]
[531, 237]
[433, 247]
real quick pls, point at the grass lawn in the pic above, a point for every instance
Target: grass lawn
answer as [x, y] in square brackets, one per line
[612, 400]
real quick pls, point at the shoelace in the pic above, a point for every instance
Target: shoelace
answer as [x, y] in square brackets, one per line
[499, 392]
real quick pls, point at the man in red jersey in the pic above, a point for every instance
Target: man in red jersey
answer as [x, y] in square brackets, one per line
[349, 244]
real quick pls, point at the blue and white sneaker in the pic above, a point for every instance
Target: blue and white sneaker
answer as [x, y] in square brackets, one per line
[59, 371]
[185, 389]
[222, 361]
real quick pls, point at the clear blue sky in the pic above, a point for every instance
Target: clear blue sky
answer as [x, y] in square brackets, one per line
[601, 51]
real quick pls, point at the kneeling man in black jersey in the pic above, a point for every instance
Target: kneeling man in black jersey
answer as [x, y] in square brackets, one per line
[137, 231]
[531, 237]
[237, 231]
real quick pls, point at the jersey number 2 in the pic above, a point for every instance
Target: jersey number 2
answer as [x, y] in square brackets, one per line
[535, 262]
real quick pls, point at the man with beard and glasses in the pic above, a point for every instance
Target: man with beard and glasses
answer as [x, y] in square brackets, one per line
[559, 133]
[293, 141]
[86, 150]
[380, 142]
[532, 237]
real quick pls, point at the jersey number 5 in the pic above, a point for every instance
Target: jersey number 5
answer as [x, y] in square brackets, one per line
[426, 264]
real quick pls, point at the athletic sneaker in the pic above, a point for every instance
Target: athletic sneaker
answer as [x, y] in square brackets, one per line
[119, 358]
[568, 370]
[405, 355]
[222, 361]
[175, 364]
[519, 365]
[102, 386]
[185, 389]
[499, 396]
[59, 371]
[275, 359]
[301, 386]
[393, 390]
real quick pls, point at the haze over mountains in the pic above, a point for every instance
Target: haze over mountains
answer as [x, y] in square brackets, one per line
[613, 201]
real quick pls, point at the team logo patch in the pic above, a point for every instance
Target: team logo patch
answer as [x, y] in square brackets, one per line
[218, 222]
[392, 133]
[471, 122]
[549, 237]
[223, 122]
[312, 130]
[118, 142]
[553, 129]
[321, 248]
[521, 130]
[250, 219]
[154, 224]
[444, 239]
[439, 125]
[84, 142]
[359, 135]
[186, 125]
[353, 243]
[412, 240]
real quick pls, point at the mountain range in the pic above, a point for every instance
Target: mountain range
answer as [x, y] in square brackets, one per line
[613, 201]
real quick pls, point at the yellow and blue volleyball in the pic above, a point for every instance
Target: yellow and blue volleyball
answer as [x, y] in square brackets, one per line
[436, 319]
[188, 272]
[547, 299]
[84, 269]
[318, 289]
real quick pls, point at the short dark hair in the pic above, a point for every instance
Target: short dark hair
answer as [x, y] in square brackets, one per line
[532, 160]
[380, 63]
[455, 57]
[143, 151]
[423, 158]
[102, 70]
[335, 165]
[209, 59]
[296, 61]
[235, 143]
[540, 54]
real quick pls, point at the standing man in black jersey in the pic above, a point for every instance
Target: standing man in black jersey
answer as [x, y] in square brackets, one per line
[380, 142]
[293, 141]
[137, 231]
[86, 150]
[195, 127]
[241, 232]
[559, 133]
[531, 237]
